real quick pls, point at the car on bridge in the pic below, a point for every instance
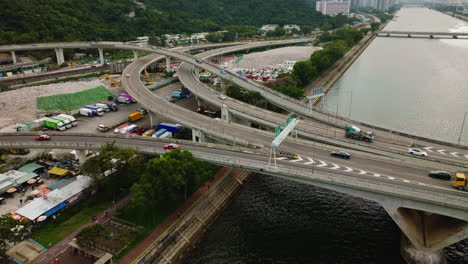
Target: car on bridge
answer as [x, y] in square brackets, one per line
[42, 138]
[222, 97]
[340, 154]
[417, 152]
[171, 146]
[443, 175]
[199, 61]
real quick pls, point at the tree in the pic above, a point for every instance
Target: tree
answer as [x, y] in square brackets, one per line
[374, 26]
[292, 91]
[214, 37]
[307, 29]
[12, 231]
[304, 72]
[4, 87]
[89, 236]
[229, 36]
[278, 32]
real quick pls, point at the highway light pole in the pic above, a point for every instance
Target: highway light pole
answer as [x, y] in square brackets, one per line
[461, 129]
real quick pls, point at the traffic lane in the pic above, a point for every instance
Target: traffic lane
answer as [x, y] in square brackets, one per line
[442, 154]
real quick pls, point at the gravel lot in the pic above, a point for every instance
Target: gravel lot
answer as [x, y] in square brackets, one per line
[259, 60]
[20, 105]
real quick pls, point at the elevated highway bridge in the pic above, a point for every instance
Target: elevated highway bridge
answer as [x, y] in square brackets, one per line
[400, 185]
[420, 34]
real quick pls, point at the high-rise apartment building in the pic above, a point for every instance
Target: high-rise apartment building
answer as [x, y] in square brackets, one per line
[333, 7]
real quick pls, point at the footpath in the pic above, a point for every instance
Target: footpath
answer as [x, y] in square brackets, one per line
[172, 219]
[49, 256]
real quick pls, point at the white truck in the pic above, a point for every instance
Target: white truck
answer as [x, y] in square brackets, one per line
[70, 118]
[103, 107]
[87, 112]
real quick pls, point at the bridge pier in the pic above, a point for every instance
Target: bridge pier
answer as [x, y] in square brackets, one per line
[101, 55]
[225, 115]
[135, 55]
[198, 136]
[59, 55]
[412, 255]
[13, 56]
[153, 119]
[168, 63]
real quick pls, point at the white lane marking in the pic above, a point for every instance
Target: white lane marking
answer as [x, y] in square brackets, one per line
[466, 156]
[299, 158]
[376, 174]
[420, 183]
[442, 151]
[348, 169]
[406, 181]
[311, 161]
[362, 172]
[335, 166]
[390, 178]
[281, 158]
[454, 154]
[429, 149]
[322, 164]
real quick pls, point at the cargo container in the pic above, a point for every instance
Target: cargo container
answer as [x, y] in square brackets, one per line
[54, 124]
[134, 116]
[64, 120]
[173, 128]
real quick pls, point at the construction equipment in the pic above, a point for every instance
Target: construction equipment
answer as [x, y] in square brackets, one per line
[148, 78]
[114, 83]
[356, 133]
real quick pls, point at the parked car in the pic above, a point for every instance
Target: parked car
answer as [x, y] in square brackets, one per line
[443, 175]
[340, 154]
[199, 61]
[222, 71]
[171, 146]
[140, 131]
[222, 97]
[417, 152]
[42, 138]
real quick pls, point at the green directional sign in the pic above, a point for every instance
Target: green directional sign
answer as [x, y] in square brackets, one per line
[277, 130]
[239, 59]
[289, 119]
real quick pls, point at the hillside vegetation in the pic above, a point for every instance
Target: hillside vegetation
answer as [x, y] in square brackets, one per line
[26, 21]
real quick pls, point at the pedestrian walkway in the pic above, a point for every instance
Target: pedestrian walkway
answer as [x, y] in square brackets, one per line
[49, 256]
[184, 208]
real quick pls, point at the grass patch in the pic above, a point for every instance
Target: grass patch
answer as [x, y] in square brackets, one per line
[70, 220]
[74, 100]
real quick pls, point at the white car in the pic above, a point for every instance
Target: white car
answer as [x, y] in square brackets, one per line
[417, 152]
[222, 97]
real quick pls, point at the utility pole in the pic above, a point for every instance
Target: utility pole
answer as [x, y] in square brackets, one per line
[350, 104]
[461, 129]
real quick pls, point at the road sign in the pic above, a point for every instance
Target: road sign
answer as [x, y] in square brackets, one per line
[289, 119]
[317, 92]
[277, 141]
[277, 130]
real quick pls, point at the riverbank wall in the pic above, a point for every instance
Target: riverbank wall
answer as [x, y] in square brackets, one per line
[178, 241]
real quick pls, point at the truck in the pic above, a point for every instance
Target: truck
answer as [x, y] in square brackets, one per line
[159, 132]
[173, 128]
[54, 124]
[166, 134]
[98, 111]
[355, 132]
[102, 128]
[129, 130]
[64, 120]
[112, 105]
[103, 107]
[125, 98]
[149, 133]
[87, 112]
[134, 116]
[119, 128]
[461, 181]
[181, 93]
[70, 118]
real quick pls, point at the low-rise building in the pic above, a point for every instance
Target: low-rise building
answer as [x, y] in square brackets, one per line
[291, 27]
[268, 27]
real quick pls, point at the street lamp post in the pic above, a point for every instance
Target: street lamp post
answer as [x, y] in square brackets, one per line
[461, 129]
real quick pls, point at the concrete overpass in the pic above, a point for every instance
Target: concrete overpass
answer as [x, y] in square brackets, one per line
[430, 216]
[431, 35]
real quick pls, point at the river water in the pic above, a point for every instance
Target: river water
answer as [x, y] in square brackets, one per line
[418, 86]
[275, 221]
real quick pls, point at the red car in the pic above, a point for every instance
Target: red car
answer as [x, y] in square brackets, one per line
[43, 137]
[171, 146]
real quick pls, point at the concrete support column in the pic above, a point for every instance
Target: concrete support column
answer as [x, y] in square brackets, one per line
[81, 156]
[225, 115]
[223, 86]
[412, 255]
[198, 136]
[153, 119]
[101, 55]
[13, 56]
[168, 63]
[59, 55]
[135, 55]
